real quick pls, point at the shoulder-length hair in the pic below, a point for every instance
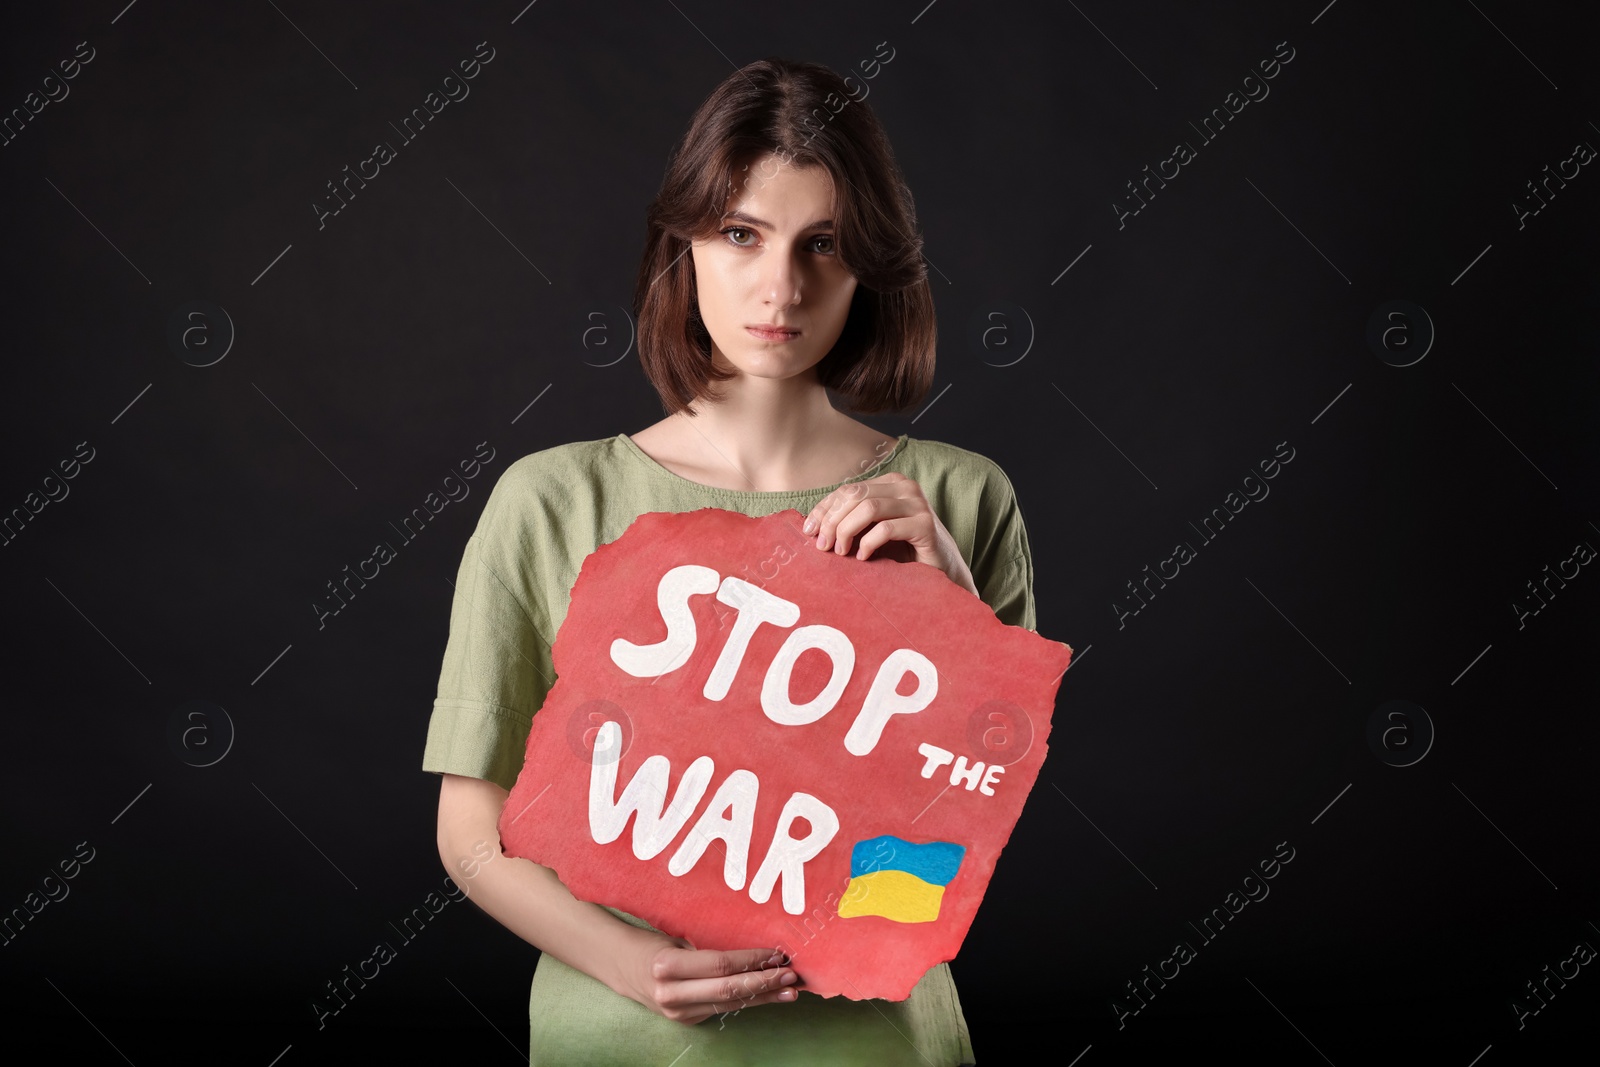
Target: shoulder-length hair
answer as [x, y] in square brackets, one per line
[804, 115]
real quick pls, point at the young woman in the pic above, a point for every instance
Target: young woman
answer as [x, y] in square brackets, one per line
[782, 265]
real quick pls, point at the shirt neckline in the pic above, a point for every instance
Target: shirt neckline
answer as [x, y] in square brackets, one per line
[631, 447]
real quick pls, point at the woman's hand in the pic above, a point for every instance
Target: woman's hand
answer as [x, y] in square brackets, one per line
[689, 985]
[888, 512]
[663, 973]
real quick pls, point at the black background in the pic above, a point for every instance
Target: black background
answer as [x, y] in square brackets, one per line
[491, 263]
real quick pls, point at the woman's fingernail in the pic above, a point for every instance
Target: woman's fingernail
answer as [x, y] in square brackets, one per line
[787, 994]
[809, 527]
[787, 979]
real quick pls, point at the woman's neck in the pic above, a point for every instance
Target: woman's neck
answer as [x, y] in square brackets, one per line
[767, 434]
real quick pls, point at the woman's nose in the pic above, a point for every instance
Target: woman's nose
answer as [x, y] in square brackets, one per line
[783, 283]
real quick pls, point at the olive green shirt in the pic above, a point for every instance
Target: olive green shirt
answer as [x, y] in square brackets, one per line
[547, 512]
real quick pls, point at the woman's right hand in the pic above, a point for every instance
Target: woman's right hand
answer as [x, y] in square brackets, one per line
[689, 985]
[665, 974]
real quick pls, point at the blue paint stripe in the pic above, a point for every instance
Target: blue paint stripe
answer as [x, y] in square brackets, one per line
[935, 862]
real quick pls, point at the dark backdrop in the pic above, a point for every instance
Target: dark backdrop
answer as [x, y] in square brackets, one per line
[1353, 269]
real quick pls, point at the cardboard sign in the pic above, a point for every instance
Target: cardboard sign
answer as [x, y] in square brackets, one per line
[753, 743]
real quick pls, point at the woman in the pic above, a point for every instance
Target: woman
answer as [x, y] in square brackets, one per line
[782, 262]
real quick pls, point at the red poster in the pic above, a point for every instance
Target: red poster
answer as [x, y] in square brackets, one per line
[755, 743]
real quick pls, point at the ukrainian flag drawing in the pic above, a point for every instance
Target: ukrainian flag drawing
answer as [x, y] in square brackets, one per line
[899, 880]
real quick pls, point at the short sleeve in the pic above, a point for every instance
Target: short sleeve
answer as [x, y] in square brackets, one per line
[496, 673]
[1010, 593]
[1005, 575]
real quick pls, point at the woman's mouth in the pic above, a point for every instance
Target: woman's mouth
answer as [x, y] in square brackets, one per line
[767, 333]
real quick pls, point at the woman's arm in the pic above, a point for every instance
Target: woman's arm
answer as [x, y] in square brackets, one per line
[662, 973]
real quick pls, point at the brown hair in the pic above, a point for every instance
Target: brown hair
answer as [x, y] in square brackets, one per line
[806, 115]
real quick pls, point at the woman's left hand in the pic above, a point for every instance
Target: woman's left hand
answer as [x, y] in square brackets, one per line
[887, 513]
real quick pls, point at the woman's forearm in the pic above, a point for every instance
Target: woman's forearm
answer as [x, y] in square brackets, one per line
[526, 898]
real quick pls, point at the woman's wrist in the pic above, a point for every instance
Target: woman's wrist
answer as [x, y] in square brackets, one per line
[628, 964]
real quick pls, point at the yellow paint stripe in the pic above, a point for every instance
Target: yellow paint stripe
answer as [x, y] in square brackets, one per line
[893, 895]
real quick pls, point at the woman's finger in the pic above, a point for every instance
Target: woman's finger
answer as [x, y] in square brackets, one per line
[682, 963]
[743, 991]
[787, 995]
[843, 525]
[849, 525]
[690, 1000]
[830, 508]
[700, 1013]
[881, 534]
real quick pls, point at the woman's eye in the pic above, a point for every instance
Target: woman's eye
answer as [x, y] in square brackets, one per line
[825, 239]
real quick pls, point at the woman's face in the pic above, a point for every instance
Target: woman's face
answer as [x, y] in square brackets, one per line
[775, 262]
